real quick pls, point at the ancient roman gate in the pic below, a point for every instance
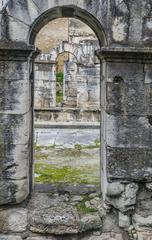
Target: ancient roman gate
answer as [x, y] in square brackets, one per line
[124, 30]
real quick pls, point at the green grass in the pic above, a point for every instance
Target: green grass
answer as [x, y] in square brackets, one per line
[59, 77]
[48, 173]
[38, 148]
[51, 146]
[59, 97]
[40, 155]
[81, 207]
[81, 147]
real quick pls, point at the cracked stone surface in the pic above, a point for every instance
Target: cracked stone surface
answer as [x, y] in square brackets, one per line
[61, 214]
[13, 220]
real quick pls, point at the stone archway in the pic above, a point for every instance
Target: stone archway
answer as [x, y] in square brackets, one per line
[59, 13]
[22, 52]
[126, 85]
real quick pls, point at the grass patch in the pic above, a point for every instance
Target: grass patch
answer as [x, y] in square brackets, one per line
[97, 142]
[59, 97]
[47, 173]
[51, 146]
[79, 147]
[41, 155]
[81, 207]
[38, 148]
[59, 77]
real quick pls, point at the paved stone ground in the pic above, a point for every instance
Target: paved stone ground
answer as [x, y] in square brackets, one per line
[66, 137]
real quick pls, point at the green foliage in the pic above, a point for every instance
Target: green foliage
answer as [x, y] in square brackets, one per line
[78, 147]
[59, 77]
[38, 148]
[51, 146]
[40, 155]
[82, 209]
[59, 96]
[97, 142]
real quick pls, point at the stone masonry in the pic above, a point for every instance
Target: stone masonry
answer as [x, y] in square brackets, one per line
[124, 30]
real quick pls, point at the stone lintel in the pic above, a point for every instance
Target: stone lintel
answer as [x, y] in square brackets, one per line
[125, 54]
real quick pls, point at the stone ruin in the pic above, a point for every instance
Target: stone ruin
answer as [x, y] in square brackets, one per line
[124, 30]
[81, 79]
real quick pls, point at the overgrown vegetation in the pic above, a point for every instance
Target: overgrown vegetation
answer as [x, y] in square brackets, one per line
[59, 87]
[41, 155]
[59, 77]
[81, 207]
[47, 173]
[59, 96]
[54, 164]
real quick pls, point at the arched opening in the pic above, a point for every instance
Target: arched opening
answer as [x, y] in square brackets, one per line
[69, 11]
[83, 96]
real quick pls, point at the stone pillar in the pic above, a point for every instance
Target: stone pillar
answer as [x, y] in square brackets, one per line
[45, 83]
[82, 88]
[88, 86]
[15, 121]
[70, 84]
[126, 100]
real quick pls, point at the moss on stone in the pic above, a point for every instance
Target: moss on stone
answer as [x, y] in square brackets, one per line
[47, 173]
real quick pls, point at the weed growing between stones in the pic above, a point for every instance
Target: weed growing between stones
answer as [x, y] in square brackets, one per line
[82, 208]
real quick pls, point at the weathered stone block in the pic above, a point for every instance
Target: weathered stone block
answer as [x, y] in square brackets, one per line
[15, 95]
[14, 191]
[141, 222]
[125, 89]
[15, 128]
[129, 163]
[119, 29]
[127, 200]
[9, 237]
[14, 70]
[105, 236]
[90, 222]
[13, 220]
[128, 131]
[41, 238]
[110, 222]
[149, 186]
[15, 163]
[144, 203]
[147, 30]
[26, 11]
[18, 30]
[124, 221]
[54, 220]
[115, 189]
[126, 98]
[145, 235]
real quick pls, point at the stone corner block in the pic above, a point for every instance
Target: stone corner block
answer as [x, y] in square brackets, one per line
[124, 221]
[13, 220]
[127, 200]
[115, 189]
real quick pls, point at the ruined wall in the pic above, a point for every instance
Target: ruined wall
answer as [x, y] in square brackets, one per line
[81, 79]
[126, 108]
[81, 72]
[45, 82]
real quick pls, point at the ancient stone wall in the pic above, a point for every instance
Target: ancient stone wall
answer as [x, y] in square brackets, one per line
[45, 82]
[124, 31]
[81, 82]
